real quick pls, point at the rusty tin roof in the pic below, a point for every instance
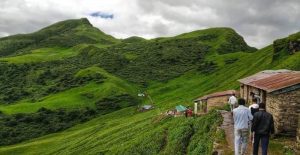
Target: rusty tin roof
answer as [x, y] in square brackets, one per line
[217, 94]
[272, 80]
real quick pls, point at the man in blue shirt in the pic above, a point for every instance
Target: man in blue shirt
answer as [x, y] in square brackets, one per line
[241, 117]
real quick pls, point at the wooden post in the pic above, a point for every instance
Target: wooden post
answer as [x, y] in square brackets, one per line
[195, 107]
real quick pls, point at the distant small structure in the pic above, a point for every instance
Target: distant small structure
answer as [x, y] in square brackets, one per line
[280, 90]
[141, 95]
[218, 99]
[180, 110]
[146, 108]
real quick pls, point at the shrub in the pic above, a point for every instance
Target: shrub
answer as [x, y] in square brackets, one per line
[231, 61]
[116, 102]
[207, 67]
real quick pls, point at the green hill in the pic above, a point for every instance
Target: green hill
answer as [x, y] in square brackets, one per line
[62, 34]
[105, 77]
[166, 58]
[83, 96]
[133, 39]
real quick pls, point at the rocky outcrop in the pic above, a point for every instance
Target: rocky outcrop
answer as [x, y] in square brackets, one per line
[294, 46]
[286, 46]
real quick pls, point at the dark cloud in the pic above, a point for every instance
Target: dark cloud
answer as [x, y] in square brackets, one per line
[160, 28]
[102, 15]
[258, 21]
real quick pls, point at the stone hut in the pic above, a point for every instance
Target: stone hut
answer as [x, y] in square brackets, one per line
[218, 99]
[280, 90]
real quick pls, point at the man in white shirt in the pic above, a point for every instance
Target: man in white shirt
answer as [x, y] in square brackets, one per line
[232, 101]
[241, 117]
[255, 96]
[254, 106]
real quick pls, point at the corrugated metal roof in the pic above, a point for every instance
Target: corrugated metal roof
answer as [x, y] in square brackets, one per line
[181, 108]
[262, 75]
[217, 94]
[272, 81]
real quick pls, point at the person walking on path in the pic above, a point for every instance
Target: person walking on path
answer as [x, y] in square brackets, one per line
[254, 106]
[257, 97]
[241, 117]
[232, 102]
[262, 128]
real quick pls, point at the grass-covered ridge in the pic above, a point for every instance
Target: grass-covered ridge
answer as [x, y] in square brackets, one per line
[163, 59]
[62, 34]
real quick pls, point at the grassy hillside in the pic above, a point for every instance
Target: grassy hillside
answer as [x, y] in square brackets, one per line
[29, 77]
[163, 59]
[96, 74]
[42, 55]
[127, 131]
[80, 97]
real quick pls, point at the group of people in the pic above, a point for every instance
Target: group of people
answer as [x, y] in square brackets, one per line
[253, 122]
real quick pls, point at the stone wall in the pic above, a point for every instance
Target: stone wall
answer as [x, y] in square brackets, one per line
[285, 109]
[217, 102]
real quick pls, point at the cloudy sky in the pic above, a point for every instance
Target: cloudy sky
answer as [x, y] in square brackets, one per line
[258, 21]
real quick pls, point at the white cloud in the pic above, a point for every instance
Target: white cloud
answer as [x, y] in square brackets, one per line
[258, 21]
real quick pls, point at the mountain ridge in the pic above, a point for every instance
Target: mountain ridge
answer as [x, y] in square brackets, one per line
[67, 25]
[62, 34]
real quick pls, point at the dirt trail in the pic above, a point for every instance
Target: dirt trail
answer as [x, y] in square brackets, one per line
[227, 126]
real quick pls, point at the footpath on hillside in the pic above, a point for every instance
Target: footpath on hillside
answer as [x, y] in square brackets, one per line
[227, 126]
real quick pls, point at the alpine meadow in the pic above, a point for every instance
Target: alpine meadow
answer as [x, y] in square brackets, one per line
[69, 88]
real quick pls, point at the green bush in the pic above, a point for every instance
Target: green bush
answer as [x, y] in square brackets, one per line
[207, 67]
[116, 102]
[231, 61]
